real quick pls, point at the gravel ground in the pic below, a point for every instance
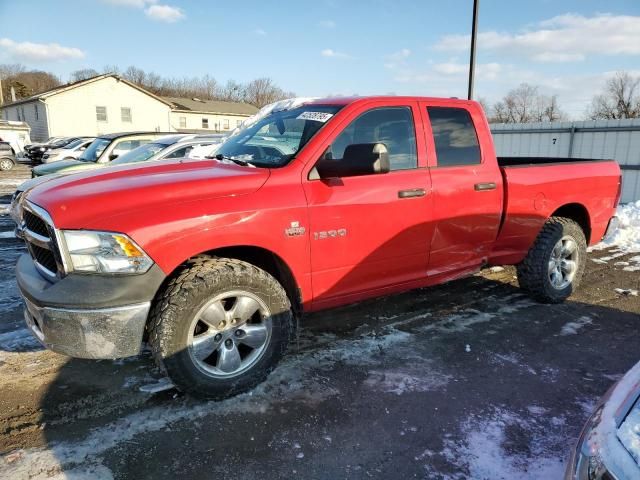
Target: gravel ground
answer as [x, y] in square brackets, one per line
[466, 380]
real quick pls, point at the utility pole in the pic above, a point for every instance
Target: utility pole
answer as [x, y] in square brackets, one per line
[472, 56]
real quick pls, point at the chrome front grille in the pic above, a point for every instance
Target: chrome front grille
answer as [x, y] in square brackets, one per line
[38, 232]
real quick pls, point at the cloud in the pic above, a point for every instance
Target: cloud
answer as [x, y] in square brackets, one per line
[397, 59]
[330, 53]
[564, 38]
[164, 13]
[260, 31]
[487, 71]
[327, 24]
[29, 52]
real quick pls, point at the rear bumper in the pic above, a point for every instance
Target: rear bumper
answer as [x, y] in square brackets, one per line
[101, 333]
[614, 222]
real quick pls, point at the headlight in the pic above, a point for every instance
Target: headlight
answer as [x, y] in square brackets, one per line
[42, 149]
[104, 252]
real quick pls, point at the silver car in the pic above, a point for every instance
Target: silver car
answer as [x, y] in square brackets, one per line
[69, 152]
[166, 148]
[609, 445]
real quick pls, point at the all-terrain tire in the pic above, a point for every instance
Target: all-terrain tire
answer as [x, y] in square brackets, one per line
[181, 299]
[533, 271]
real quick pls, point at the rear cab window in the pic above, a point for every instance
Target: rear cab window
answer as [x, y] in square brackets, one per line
[455, 136]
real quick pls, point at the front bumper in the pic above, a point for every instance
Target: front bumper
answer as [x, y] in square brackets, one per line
[88, 316]
[101, 333]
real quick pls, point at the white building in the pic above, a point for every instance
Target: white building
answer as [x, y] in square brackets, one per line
[110, 104]
[192, 115]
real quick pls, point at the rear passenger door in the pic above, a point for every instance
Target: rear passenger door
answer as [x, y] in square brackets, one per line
[467, 186]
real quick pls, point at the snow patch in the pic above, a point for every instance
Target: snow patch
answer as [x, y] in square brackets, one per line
[406, 380]
[483, 450]
[627, 236]
[626, 291]
[19, 341]
[571, 328]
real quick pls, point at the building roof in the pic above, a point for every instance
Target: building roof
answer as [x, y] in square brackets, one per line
[79, 83]
[211, 106]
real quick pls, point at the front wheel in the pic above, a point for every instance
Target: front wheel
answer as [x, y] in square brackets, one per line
[220, 326]
[554, 265]
[5, 164]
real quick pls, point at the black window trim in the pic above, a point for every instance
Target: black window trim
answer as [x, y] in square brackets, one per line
[435, 152]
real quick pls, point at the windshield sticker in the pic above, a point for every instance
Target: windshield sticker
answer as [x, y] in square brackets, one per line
[315, 116]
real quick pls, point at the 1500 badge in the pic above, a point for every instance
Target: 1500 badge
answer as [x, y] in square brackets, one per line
[341, 232]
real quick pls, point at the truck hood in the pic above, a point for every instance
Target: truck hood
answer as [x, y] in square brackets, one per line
[82, 200]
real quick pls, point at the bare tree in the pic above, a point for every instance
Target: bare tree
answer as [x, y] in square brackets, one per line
[262, 91]
[82, 74]
[25, 82]
[620, 98]
[526, 104]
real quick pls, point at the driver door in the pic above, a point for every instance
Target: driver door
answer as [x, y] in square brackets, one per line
[371, 232]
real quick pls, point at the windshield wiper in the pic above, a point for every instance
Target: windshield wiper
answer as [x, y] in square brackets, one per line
[237, 161]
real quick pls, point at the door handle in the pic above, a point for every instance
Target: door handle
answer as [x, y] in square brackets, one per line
[414, 192]
[481, 187]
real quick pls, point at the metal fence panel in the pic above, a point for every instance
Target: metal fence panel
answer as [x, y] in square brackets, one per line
[617, 139]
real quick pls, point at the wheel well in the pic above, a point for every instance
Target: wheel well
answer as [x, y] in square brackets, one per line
[579, 214]
[270, 263]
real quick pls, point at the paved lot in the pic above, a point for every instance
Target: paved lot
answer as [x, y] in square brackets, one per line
[466, 380]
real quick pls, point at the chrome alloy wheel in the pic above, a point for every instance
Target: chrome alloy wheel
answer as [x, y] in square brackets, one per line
[563, 263]
[229, 334]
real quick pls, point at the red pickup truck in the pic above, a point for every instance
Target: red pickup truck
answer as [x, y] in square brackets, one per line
[311, 205]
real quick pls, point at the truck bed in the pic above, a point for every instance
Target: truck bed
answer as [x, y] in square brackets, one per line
[536, 188]
[536, 161]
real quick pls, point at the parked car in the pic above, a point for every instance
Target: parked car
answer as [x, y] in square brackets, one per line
[70, 152]
[609, 445]
[7, 156]
[36, 153]
[164, 148]
[309, 205]
[99, 153]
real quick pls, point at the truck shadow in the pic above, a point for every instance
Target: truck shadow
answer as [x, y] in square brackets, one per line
[557, 356]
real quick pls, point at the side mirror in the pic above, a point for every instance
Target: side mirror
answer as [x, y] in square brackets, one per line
[113, 156]
[358, 159]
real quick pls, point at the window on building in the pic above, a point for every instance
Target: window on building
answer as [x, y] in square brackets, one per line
[392, 126]
[455, 136]
[205, 123]
[183, 122]
[125, 114]
[238, 123]
[225, 124]
[35, 110]
[101, 114]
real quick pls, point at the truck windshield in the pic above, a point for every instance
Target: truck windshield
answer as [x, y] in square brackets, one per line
[94, 150]
[275, 139]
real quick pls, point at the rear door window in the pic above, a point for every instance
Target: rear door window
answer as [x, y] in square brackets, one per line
[455, 136]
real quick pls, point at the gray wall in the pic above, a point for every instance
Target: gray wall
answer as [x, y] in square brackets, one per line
[617, 139]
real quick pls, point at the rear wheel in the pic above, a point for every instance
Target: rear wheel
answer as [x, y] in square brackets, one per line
[220, 326]
[554, 265]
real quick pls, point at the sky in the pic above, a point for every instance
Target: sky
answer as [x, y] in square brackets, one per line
[329, 47]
